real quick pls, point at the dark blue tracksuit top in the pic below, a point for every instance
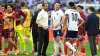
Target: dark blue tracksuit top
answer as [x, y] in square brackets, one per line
[92, 24]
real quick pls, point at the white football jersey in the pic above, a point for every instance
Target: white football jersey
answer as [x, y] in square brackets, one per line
[56, 16]
[73, 17]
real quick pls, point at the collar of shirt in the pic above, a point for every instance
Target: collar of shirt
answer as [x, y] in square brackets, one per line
[44, 10]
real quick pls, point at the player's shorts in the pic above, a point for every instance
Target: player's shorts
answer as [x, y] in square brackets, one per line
[11, 33]
[6, 33]
[1, 30]
[17, 29]
[81, 31]
[57, 33]
[81, 38]
[71, 34]
[81, 34]
[27, 31]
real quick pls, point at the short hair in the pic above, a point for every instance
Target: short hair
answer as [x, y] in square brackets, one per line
[57, 2]
[71, 4]
[99, 10]
[80, 6]
[23, 4]
[44, 4]
[39, 6]
[92, 9]
[11, 5]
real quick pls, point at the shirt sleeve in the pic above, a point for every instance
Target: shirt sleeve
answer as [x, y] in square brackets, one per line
[39, 17]
[62, 13]
[67, 12]
[23, 14]
[79, 16]
[83, 16]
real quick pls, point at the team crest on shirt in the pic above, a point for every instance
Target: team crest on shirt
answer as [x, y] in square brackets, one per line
[57, 32]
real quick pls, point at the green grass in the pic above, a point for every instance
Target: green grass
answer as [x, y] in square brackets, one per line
[50, 49]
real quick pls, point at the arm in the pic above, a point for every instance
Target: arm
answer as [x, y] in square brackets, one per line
[80, 19]
[23, 14]
[82, 22]
[62, 19]
[65, 22]
[13, 16]
[39, 17]
[51, 23]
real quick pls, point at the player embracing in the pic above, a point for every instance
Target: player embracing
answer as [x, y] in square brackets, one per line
[72, 17]
[9, 18]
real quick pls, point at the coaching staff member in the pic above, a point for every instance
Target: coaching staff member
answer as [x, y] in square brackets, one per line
[92, 28]
[34, 27]
[42, 21]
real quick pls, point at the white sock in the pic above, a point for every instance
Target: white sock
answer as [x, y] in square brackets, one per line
[99, 37]
[97, 47]
[62, 47]
[70, 46]
[56, 47]
[74, 45]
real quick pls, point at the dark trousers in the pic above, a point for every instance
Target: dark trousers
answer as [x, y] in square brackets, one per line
[92, 45]
[35, 36]
[43, 41]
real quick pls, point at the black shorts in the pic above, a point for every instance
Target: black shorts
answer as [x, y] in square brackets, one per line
[71, 34]
[6, 33]
[1, 30]
[57, 33]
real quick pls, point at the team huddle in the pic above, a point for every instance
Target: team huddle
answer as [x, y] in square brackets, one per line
[72, 24]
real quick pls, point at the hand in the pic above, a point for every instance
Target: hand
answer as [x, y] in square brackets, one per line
[56, 26]
[45, 28]
[51, 29]
[79, 25]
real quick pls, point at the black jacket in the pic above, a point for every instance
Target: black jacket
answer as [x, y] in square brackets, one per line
[92, 24]
[33, 24]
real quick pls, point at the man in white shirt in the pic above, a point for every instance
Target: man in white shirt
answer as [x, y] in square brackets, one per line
[42, 21]
[72, 16]
[57, 17]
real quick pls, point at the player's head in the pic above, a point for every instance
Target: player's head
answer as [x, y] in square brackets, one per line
[71, 5]
[23, 4]
[91, 10]
[99, 10]
[80, 8]
[0, 6]
[56, 5]
[45, 6]
[39, 6]
[9, 7]
[3, 7]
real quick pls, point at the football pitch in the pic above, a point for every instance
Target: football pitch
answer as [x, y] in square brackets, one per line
[50, 49]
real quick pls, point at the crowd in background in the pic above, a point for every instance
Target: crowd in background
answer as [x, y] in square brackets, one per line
[32, 3]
